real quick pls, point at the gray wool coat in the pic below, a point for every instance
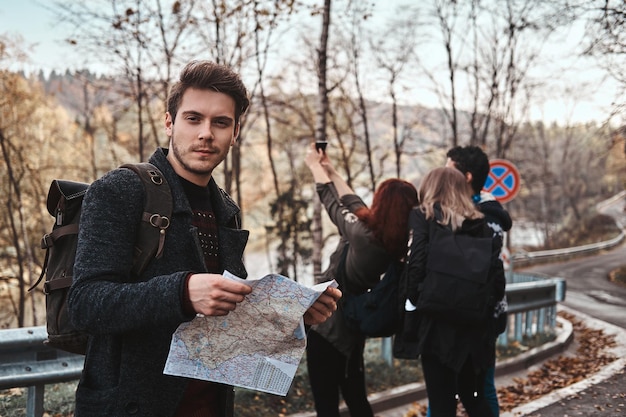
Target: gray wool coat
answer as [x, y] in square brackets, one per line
[131, 320]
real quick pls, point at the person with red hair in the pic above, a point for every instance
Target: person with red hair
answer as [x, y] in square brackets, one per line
[375, 236]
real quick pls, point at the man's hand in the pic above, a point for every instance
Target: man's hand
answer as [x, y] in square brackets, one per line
[214, 295]
[323, 308]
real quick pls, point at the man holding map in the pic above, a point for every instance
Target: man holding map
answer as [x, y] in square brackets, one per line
[131, 319]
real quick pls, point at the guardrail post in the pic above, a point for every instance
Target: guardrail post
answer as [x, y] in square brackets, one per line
[561, 286]
[34, 403]
[541, 320]
[503, 339]
[518, 327]
[528, 326]
[552, 316]
[386, 350]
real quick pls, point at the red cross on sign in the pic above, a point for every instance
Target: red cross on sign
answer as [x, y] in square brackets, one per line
[503, 181]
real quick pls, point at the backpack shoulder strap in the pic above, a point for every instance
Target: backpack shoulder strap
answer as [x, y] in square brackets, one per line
[156, 215]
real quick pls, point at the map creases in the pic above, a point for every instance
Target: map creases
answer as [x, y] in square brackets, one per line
[257, 346]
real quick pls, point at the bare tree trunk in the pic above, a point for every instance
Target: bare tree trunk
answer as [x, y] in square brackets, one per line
[14, 188]
[475, 117]
[393, 49]
[447, 32]
[139, 114]
[366, 133]
[320, 135]
[361, 106]
[397, 147]
[269, 145]
[236, 171]
[88, 128]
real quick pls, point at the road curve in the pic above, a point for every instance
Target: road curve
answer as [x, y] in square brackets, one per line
[588, 287]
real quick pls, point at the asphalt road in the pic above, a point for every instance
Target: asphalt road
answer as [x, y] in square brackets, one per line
[588, 287]
[589, 291]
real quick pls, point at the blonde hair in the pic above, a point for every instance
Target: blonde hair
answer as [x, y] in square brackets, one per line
[448, 187]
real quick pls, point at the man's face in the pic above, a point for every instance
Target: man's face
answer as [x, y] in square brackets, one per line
[202, 134]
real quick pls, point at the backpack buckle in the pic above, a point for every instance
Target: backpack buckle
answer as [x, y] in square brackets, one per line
[155, 177]
[47, 241]
[160, 222]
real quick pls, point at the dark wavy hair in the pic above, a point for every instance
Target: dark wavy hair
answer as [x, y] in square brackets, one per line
[207, 75]
[474, 160]
[388, 216]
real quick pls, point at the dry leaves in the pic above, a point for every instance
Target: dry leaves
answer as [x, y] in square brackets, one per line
[591, 356]
[562, 371]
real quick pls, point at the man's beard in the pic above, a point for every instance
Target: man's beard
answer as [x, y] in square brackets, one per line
[179, 155]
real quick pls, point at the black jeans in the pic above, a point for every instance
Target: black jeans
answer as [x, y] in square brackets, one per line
[331, 372]
[442, 385]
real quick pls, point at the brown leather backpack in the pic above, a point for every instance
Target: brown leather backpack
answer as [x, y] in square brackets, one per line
[64, 203]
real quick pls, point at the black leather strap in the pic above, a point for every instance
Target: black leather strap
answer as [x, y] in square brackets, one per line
[156, 216]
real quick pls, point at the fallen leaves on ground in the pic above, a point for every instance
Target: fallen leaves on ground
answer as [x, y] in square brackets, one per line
[417, 410]
[562, 371]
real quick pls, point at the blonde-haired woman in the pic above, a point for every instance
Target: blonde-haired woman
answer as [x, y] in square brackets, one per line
[454, 357]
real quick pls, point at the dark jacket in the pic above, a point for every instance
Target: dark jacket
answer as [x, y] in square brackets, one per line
[451, 343]
[366, 261]
[496, 217]
[131, 319]
[499, 220]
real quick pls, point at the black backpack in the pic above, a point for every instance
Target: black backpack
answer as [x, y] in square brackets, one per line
[64, 203]
[374, 313]
[457, 287]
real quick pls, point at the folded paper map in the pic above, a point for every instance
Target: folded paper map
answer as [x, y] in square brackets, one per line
[257, 346]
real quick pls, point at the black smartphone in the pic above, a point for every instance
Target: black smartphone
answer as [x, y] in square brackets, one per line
[321, 145]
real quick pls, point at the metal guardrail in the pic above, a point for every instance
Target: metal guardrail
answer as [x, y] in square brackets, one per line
[528, 258]
[532, 301]
[529, 296]
[611, 200]
[25, 361]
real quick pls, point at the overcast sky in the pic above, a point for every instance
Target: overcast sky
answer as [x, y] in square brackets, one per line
[44, 40]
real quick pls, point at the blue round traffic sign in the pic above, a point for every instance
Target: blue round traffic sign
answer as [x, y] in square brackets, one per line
[503, 181]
